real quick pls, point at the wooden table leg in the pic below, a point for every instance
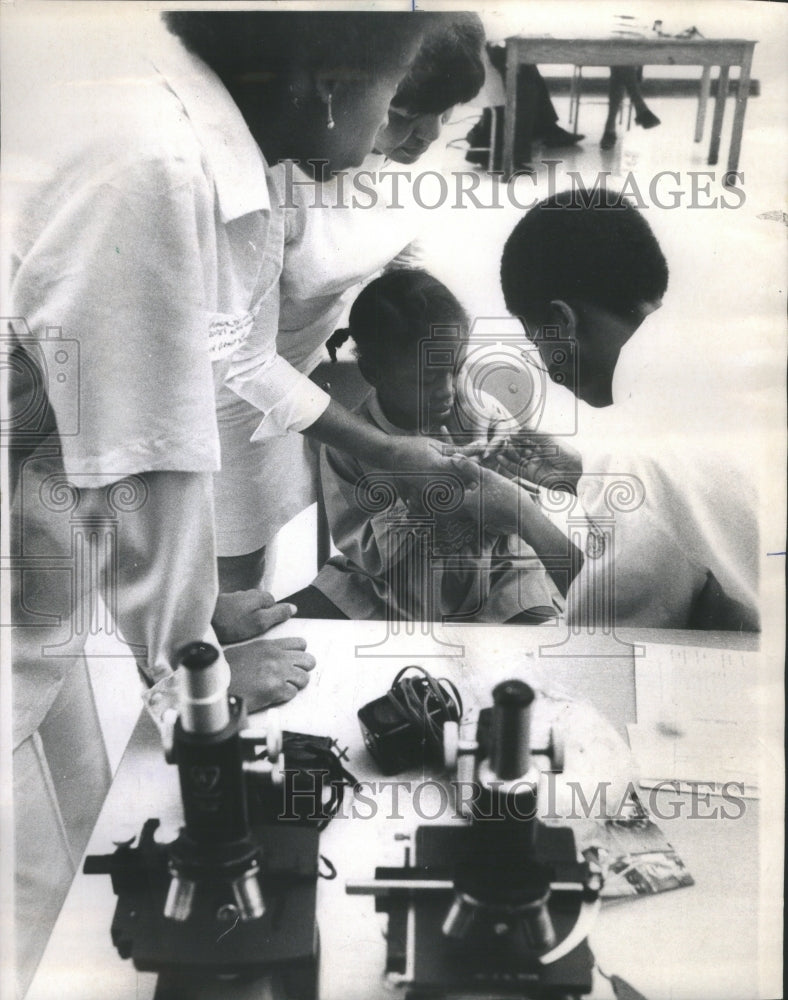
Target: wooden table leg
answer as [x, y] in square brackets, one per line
[719, 112]
[703, 100]
[494, 125]
[510, 111]
[738, 117]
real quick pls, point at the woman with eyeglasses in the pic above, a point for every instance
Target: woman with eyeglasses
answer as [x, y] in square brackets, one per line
[333, 244]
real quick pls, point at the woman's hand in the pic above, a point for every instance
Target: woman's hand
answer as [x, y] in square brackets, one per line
[247, 613]
[485, 449]
[420, 462]
[275, 673]
[418, 455]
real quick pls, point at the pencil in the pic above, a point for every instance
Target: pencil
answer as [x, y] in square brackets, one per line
[530, 487]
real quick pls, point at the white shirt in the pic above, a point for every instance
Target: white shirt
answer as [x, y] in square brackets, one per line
[698, 512]
[144, 231]
[330, 251]
[330, 248]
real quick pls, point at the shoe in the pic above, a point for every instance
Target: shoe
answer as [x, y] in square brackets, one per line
[556, 137]
[647, 119]
[478, 156]
[608, 140]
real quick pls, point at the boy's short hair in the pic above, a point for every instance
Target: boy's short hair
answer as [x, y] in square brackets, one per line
[575, 246]
[448, 68]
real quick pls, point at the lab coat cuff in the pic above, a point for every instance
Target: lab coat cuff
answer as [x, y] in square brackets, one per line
[162, 701]
[312, 404]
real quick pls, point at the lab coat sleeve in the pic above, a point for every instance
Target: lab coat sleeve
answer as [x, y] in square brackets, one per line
[129, 371]
[162, 583]
[286, 399]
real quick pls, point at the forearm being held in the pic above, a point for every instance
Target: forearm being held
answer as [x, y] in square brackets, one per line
[338, 428]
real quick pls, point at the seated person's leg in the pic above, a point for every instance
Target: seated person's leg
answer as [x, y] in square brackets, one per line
[624, 79]
[536, 119]
[616, 92]
[545, 125]
[644, 116]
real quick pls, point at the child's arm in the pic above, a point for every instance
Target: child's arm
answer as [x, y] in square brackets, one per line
[339, 428]
[508, 509]
[373, 526]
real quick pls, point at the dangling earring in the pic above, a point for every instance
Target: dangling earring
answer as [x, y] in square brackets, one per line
[330, 123]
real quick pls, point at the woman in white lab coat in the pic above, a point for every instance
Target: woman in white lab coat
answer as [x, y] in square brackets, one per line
[142, 224]
[331, 246]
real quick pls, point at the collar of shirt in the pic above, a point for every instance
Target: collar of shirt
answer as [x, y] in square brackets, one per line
[235, 160]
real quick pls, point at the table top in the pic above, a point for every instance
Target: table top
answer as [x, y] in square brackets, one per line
[697, 941]
[619, 50]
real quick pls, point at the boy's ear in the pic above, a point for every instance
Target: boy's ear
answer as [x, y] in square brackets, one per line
[370, 371]
[565, 318]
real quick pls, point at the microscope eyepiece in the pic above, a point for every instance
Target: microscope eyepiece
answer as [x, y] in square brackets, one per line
[513, 694]
[511, 742]
[204, 681]
[198, 655]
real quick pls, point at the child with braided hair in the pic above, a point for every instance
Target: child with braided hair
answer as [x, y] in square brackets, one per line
[471, 570]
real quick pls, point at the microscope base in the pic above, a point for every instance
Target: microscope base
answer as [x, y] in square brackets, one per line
[437, 968]
[209, 946]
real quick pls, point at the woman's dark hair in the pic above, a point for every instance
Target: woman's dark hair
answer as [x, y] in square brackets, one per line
[448, 67]
[272, 43]
[582, 246]
[395, 312]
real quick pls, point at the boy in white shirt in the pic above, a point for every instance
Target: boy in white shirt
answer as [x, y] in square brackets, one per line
[587, 268]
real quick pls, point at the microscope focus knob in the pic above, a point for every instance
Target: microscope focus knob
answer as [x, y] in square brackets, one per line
[273, 734]
[451, 743]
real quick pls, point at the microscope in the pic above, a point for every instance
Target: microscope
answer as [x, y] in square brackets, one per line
[232, 898]
[496, 904]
